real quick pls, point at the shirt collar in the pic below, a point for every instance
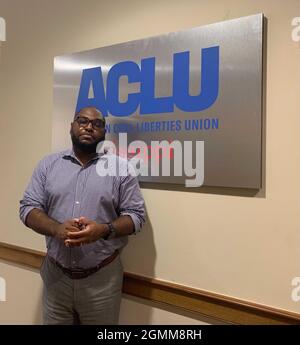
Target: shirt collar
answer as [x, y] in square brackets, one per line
[69, 153]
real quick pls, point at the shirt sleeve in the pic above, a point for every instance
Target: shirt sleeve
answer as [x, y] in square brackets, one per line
[34, 195]
[131, 202]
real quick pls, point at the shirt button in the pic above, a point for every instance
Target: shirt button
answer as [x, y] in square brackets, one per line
[77, 202]
[74, 262]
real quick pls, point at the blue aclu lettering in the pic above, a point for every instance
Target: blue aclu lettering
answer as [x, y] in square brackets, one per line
[145, 75]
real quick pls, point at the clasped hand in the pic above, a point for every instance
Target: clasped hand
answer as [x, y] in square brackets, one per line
[79, 231]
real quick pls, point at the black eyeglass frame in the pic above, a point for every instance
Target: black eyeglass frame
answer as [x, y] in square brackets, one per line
[94, 122]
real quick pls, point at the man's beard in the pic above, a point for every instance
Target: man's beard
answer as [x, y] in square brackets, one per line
[84, 147]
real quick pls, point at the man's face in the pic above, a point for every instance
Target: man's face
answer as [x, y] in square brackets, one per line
[86, 134]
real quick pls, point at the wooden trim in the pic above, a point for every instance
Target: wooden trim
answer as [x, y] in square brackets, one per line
[19, 255]
[227, 309]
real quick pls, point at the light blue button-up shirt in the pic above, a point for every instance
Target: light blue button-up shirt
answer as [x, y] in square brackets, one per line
[64, 189]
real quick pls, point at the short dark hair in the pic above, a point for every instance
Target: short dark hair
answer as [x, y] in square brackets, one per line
[92, 107]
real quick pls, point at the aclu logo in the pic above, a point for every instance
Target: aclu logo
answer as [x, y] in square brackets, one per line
[109, 102]
[296, 291]
[2, 29]
[296, 30]
[2, 290]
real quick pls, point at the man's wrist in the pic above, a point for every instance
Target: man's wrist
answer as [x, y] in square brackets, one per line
[54, 228]
[111, 232]
[106, 231]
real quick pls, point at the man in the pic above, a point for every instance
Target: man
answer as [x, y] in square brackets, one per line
[86, 219]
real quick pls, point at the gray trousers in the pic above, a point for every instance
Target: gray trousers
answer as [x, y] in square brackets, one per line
[94, 300]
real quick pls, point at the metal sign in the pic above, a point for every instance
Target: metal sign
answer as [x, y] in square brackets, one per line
[199, 85]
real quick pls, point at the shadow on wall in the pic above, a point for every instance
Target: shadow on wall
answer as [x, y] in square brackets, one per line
[38, 315]
[139, 311]
[141, 248]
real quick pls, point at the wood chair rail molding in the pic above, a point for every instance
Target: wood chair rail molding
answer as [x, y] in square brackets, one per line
[224, 308]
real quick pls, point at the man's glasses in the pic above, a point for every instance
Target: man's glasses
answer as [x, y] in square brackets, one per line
[84, 122]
